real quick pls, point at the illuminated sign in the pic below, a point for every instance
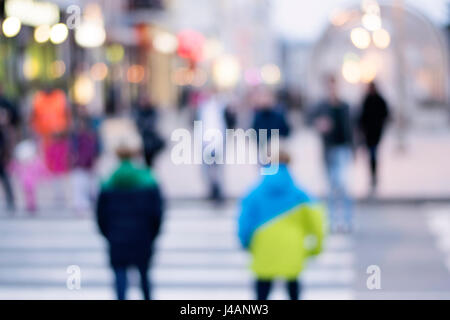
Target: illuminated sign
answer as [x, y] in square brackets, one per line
[33, 13]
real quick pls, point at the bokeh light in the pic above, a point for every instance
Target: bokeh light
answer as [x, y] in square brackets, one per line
[370, 7]
[115, 53]
[182, 76]
[11, 27]
[31, 68]
[371, 22]
[226, 71]
[339, 17]
[90, 35]
[164, 42]
[351, 71]
[252, 77]
[368, 70]
[271, 74]
[91, 32]
[381, 38]
[42, 34]
[190, 45]
[360, 38]
[57, 69]
[99, 71]
[84, 89]
[136, 73]
[59, 33]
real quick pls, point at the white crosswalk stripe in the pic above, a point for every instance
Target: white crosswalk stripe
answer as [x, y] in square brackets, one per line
[439, 224]
[197, 257]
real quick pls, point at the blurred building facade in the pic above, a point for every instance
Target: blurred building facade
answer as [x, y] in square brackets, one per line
[125, 47]
[161, 46]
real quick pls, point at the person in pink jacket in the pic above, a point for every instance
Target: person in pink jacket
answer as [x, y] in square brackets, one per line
[29, 169]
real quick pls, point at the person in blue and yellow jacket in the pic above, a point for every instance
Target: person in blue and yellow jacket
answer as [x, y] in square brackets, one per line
[281, 226]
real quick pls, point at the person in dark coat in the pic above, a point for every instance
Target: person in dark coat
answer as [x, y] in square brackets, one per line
[129, 215]
[146, 121]
[9, 122]
[332, 119]
[372, 122]
[267, 117]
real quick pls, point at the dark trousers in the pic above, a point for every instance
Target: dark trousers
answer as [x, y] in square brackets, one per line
[4, 177]
[121, 282]
[373, 159]
[263, 289]
[149, 157]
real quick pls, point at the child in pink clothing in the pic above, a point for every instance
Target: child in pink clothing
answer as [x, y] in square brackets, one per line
[29, 169]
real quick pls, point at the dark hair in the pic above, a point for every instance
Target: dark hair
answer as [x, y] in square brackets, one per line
[284, 157]
[126, 154]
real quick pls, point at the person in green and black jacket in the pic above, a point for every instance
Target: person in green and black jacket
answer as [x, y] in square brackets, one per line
[129, 214]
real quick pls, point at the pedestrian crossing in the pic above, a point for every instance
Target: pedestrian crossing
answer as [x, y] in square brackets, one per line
[197, 257]
[439, 224]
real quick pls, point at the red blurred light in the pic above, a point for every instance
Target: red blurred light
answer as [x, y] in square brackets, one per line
[190, 45]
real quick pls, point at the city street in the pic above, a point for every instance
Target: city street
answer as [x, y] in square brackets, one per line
[231, 124]
[198, 256]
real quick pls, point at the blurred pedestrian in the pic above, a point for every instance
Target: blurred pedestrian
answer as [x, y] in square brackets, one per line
[51, 119]
[84, 152]
[231, 116]
[146, 116]
[9, 120]
[211, 113]
[29, 169]
[4, 175]
[332, 119]
[129, 214]
[268, 117]
[281, 226]
[372, 123]
[50, 114]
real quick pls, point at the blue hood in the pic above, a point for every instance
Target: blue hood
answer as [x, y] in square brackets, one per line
[275, 196]
[278, 184]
